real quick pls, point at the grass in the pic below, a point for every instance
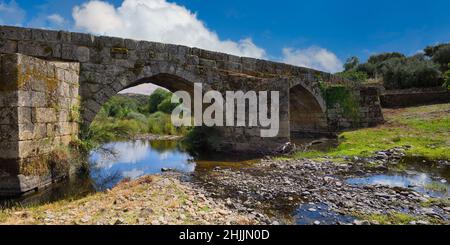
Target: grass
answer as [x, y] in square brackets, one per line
[442, 202]
[392, 218]
[435, 186]
[105, 129]
[426, 129]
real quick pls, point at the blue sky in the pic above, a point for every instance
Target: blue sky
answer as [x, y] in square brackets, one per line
[319, 34]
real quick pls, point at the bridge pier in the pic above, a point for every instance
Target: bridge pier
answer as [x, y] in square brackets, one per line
[38, 109]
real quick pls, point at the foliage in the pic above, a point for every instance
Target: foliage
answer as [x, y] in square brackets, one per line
[376, 59]
[351, 63]
[158, 96]
[125, 116]
[440, 54]
[391, 218]
[342, 96]
[160, 123]
[167, 106]
[199, 138]
[400, 73]
[355, 76]
[397, 71]
[447, 78]
[119, 106]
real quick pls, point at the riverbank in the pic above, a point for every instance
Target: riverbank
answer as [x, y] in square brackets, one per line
[395, 173]
[426, 129]
[156, 200]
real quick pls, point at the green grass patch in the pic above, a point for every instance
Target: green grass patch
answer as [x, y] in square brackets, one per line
[425, 129]
[393, 218]
[435, 186]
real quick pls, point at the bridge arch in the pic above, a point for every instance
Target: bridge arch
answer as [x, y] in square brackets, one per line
[307, 110]
[97, 88]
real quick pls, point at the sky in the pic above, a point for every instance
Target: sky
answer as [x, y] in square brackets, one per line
[319, 34]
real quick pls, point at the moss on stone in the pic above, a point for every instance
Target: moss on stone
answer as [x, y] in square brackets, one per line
[119, 50]
[342, 96]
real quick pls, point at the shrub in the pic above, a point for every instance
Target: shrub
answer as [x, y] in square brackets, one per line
[447, 78]
[376, 59]
[400, 73]
[440, 54]
[352, 75]
[156, 98]
[167, 106]
[136, 116]
[351, 63]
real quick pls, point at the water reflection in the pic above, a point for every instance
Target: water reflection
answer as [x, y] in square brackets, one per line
[421, 182]
[133, 159]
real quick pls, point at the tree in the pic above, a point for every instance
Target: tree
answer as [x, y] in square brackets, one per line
[400, 73]
[158, 96]
[447, 78]
[376, 59]
[351, 63]
[352, 75]
[167, 106]
[440, 54]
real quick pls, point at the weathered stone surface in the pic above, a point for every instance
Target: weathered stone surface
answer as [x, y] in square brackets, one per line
[34, 118]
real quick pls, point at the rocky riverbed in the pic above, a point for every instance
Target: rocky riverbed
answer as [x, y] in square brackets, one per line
[271, 191]
[279, 188]
[155, 200]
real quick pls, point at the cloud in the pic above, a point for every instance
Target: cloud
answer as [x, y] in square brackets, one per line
[313, 57]
[157, 20]
[56, 19]
[11, 13]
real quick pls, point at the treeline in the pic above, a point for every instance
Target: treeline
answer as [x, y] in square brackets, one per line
[125, 116]
[397, 71]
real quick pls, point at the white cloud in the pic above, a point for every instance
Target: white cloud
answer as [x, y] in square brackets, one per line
[56, 19]
[313, 57]
[157, 20]
[11, 13]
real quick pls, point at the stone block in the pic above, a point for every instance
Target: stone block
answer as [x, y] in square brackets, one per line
[44, 115]
[9, 132]
[82, 39]
[8, 46]
[40, 49]
[15, 33]
[44, 35]
[75, 53]
[8, 150]
[8, 115]
[28, 131]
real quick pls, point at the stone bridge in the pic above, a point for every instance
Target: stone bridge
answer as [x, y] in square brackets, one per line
[54, 81]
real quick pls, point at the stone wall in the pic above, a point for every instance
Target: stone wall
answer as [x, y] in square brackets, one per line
[414, 97]
[39, 106]
[367, 112]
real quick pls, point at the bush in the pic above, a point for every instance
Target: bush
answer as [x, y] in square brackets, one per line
[161, 123]
[355, 76]
[167, 106]
[440, 54]
[156, 98]
[376, 59]
[447, 78]
[351, 63]
[401, 73]
[136, 116]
